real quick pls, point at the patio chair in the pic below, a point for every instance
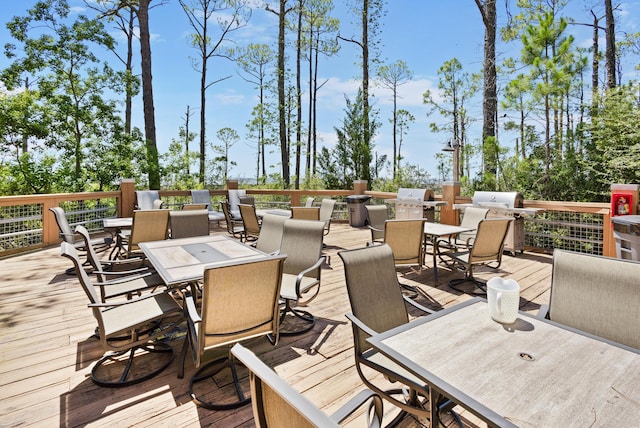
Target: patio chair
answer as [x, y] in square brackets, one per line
[204, 197]
[118, 278]
[276, 403]
[147, 225]
[595, 294]
[376, 216]
[305, 213]
[250, 223]
[67, 235]
[185, 224]
[309, 202]
[234, 227]
[405, 237]
[148, 200]
[378, 305]
[302, 242]
[487, 248]
[133, 354]
[240, 301]
[271, 231]
[234, 201]
[326, 212]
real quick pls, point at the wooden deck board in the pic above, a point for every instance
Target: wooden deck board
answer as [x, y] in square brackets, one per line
[47, 349]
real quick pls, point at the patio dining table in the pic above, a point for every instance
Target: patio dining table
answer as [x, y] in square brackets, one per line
[435, 231]
[533, 373]
[180, 261]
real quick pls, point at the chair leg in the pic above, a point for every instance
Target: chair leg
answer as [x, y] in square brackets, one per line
[479, 287]
[209, 370]
[306, 318]
[125, 376]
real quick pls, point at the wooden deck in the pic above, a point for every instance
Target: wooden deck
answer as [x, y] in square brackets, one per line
[47, 348]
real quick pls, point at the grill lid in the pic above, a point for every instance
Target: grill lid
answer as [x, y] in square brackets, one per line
[419, 195]
[498, 199]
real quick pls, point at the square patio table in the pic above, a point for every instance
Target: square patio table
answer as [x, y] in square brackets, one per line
[531, 373]
[435, 231]
[180, 261]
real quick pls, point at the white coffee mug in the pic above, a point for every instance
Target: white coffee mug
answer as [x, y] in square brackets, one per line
[503, 298]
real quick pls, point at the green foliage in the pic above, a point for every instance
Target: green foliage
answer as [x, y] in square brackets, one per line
[351, 158]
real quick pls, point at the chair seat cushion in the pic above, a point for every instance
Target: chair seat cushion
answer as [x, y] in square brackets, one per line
[288, 290]
[149, 281]
[216, 216]
[121, 319]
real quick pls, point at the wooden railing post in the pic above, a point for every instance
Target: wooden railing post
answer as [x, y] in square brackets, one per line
[359, 187]
[50, 229]
[449, 215]
[232, 184]
[127, 200]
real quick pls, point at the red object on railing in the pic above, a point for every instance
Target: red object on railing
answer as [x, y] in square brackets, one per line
[621, 204]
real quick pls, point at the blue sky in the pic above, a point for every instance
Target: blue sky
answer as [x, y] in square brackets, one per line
[423, 33]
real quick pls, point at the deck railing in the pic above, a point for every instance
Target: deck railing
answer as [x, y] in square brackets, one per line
[26, 222]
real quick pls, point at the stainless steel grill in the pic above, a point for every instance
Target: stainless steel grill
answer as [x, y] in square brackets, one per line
[415, 203]
[505, 204]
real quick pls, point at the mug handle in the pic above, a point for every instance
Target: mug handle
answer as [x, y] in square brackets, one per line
[498, 303]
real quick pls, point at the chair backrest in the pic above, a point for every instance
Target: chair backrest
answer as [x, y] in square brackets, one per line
[377, 215]
[148, 225]
[201, 196]
[598, 295]
[187, 207]
[240, 300]
[234, 201]
[249, 220]
[305, 213]
[489, 243]
[68, 250]
[275, 403]
[188, 223]
[63, 225]
[247, 200]
[271, 232]
[146, 198]
[405, 237]
[326, 209]
[302, 242]
[92, 256]
[309, 202]
[224, 205]
[374, 292]
[470, 219]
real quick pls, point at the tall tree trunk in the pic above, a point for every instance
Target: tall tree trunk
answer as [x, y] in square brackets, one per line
[489, 96]
[282, 113]
[366, 173]
[595, 63]
[299, 95]
[129, 71]
[147, 95]
[610, 53]
[186, 139]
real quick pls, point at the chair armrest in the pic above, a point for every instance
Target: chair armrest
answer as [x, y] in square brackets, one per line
[362, 326]
[543, 312]
[190, 309]
[375, 229]
[316, 265]
[124, 302]
[356, 402]
[122, 280]
[417, 305]
[126, 273]
[310, 268]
